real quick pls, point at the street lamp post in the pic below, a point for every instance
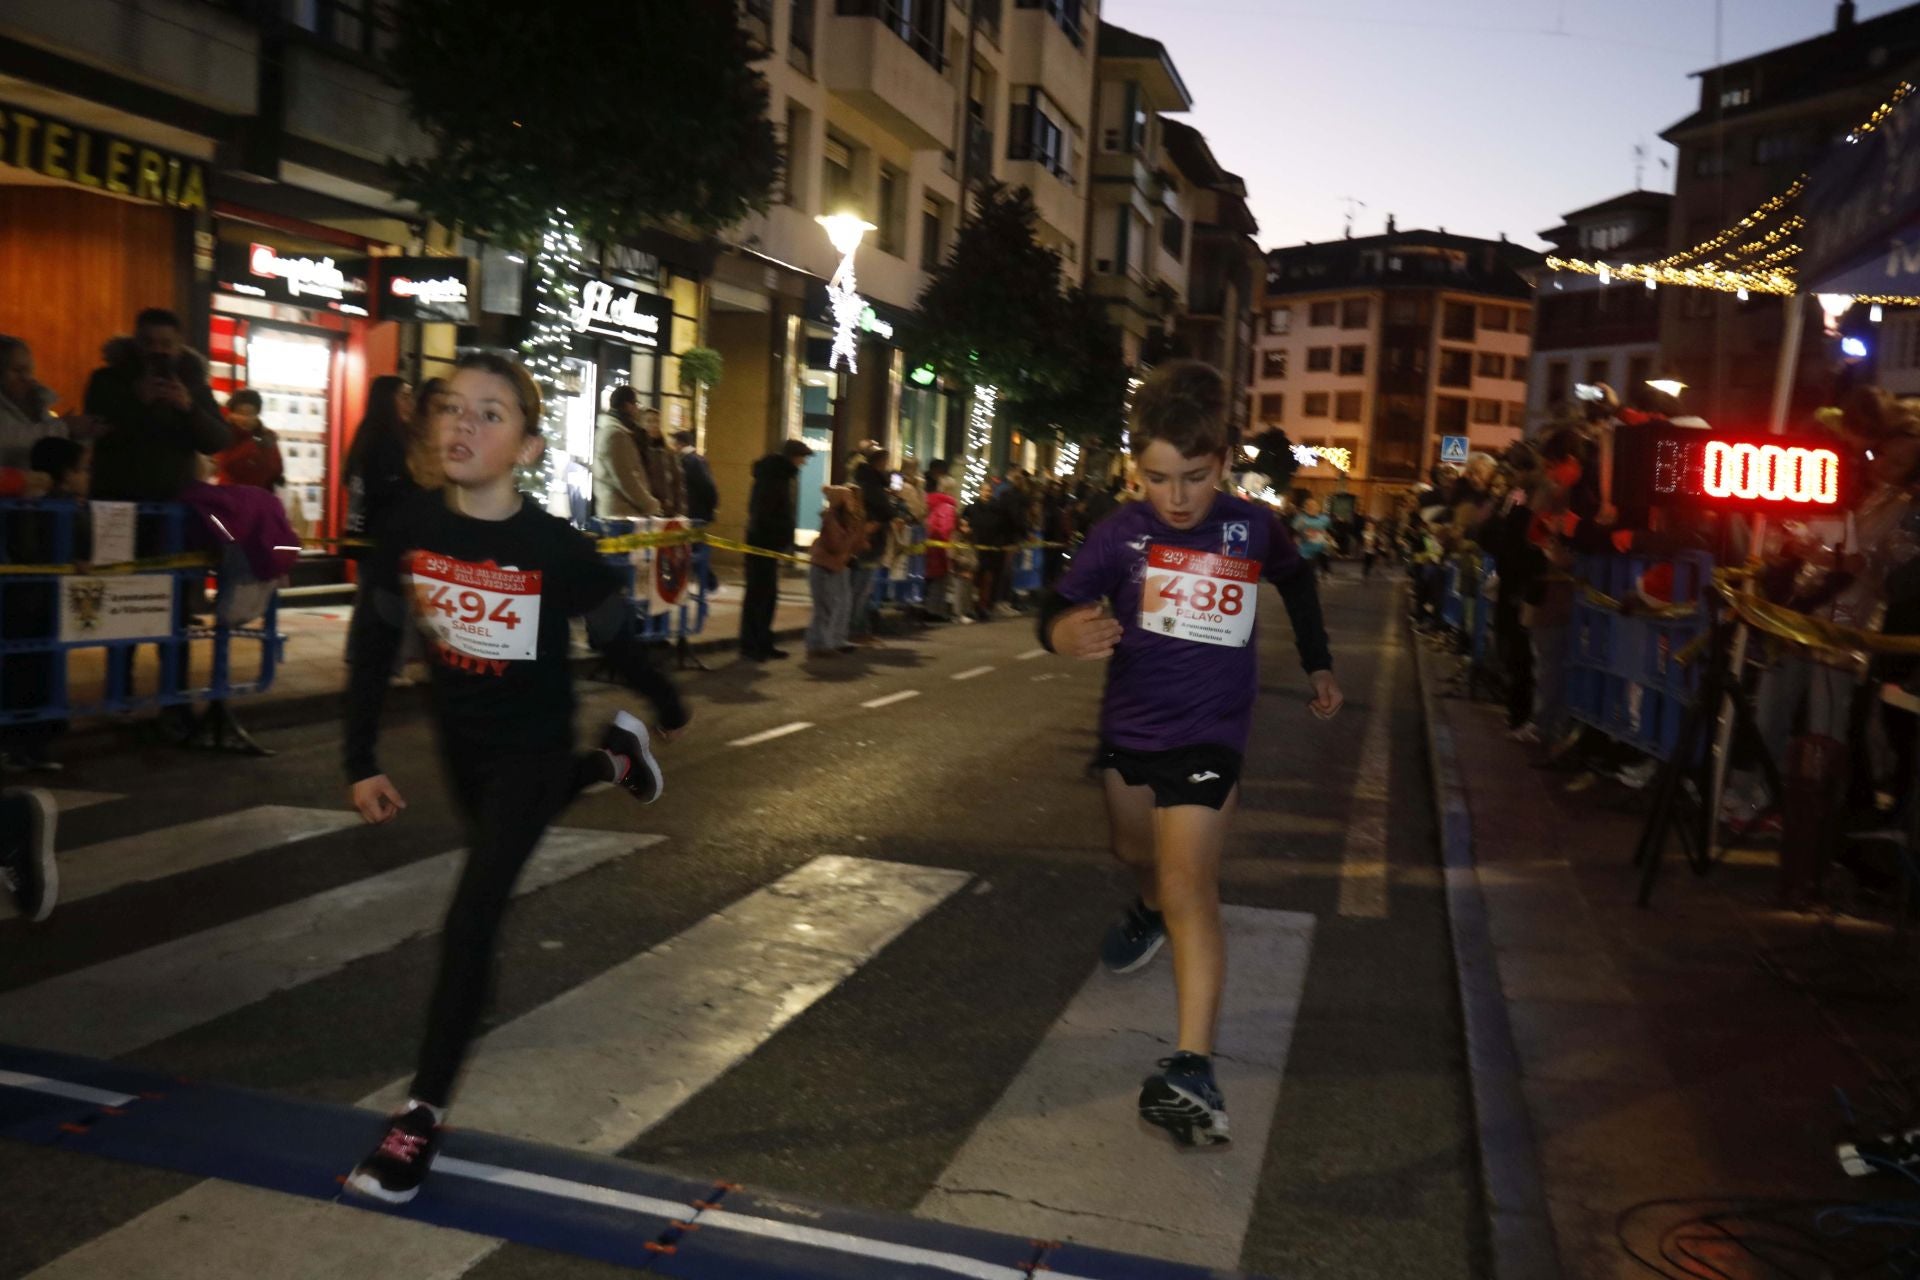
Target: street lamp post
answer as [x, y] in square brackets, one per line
[845, 230]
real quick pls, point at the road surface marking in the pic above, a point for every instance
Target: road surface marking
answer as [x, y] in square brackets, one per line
[111, 864]
[970, 674]
[1063, 1154]
[593, 1069]
[755, 739]
[1363, 860]
[1031, 654]
[71, 800]
[876, 703]
[128, 1003]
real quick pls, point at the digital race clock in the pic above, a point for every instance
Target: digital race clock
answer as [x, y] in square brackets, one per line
[1677, 467]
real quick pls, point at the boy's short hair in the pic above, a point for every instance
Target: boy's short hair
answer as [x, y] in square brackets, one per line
[245, 396]
[1183, 403]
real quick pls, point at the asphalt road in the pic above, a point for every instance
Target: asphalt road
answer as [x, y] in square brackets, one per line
[865, 1095]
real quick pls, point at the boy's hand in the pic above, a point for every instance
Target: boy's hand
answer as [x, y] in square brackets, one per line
[377, 799]
[1327, 698]
[1088, 632]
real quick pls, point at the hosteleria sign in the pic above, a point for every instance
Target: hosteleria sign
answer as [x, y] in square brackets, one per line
[628, 315]
[88, 157]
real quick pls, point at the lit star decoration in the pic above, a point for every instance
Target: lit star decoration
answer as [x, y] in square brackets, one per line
[547, 347]
[980, 435]
[1748, 257]
[843, 296]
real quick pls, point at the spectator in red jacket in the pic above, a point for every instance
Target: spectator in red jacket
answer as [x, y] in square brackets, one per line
[254, 456]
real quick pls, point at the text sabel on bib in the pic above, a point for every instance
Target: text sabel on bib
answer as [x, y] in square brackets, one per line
[1200, 596]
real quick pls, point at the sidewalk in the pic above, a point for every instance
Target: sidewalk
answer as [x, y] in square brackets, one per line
[1687, 1053]
[313, 669]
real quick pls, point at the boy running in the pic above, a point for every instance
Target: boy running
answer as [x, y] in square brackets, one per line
[492, 580]
[1167, 590]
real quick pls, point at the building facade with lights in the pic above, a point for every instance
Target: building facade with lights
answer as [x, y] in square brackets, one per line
[1589, 331]
[1761, 122]
[1381, 345]
[897, 114]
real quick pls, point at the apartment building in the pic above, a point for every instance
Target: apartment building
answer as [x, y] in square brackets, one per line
[1381, 345]
[896, 110]
[1224, 265]
[1593, 332]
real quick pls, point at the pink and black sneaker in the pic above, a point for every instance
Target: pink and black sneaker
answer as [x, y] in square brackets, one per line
[634, 766]
[396, 1168]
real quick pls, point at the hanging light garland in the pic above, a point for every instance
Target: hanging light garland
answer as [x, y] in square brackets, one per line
[1067, 461]
[986, 399]
[1720, 262]
[550, 344]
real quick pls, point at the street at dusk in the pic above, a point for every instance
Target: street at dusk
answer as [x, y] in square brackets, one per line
[1095, 639]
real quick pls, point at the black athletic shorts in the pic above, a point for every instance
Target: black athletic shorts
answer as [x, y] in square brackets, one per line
[1203, 775]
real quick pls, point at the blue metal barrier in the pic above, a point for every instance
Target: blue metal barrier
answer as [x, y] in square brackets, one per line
[45, 619]
[908, 587]
[1621, 676]
[1027, 562]
[673, 607]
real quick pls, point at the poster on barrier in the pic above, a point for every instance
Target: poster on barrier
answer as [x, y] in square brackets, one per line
[671, 565]
[112, 532]
[136, 607]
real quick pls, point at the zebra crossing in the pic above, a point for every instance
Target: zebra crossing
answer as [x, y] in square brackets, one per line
[593, 1069]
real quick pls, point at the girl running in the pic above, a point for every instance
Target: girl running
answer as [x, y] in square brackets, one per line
[492, 580]
[1166, 590]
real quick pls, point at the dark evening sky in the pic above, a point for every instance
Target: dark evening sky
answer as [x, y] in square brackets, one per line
[1481, 116]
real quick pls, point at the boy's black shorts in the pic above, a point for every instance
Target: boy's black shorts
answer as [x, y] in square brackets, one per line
[1203, 775]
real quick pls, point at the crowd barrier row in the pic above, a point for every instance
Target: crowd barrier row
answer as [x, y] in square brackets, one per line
[49, 613]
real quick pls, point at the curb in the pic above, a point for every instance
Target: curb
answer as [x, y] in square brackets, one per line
[1512, 1187]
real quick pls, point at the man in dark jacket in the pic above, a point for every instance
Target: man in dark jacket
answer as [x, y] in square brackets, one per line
[703, 495]
[159, 414]
[771, 516]
[875, 483]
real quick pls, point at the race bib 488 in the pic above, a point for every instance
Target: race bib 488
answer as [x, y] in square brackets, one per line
[476, 609]
[1195, 595]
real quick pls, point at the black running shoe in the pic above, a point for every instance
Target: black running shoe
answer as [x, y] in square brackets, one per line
[396, 1168]
[627, 737]
[1133, 939]
[1184, 1100]
[27, 870]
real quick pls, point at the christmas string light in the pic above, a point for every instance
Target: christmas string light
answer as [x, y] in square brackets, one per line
[1068, 460]
[550, 344]
[986, 399]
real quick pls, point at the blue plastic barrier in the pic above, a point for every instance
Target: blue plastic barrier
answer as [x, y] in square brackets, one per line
[46, 618]
[668, 615]
[1027, 562]
[1621, 674]
[908, 586]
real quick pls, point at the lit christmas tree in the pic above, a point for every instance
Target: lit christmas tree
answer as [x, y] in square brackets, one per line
[547, 348]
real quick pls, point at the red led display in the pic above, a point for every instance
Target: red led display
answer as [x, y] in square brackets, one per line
[1676, 467]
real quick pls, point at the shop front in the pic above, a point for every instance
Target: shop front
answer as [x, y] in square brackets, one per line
[623, 332]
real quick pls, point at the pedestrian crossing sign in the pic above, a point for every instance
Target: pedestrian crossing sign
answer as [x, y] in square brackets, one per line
[1453, 449]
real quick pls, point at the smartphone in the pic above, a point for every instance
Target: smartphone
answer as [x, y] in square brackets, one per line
[897, 483]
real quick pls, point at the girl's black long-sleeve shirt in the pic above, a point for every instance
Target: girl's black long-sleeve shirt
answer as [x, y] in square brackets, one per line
[494, 598]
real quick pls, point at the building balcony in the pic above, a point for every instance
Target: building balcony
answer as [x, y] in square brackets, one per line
[892, 73]
[1040, 52]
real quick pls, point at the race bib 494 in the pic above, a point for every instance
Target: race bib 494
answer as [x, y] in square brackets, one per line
[1195, 595]
[476, 609]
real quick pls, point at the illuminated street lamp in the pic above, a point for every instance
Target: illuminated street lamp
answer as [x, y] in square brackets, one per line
[845, 230]
[1667, 386]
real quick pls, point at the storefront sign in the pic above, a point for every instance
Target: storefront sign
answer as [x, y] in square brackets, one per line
[626, 315]
[426, 290]
[136, 607]
[94, 158]
[317, 279]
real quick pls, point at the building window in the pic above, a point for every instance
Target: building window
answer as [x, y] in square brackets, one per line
[1710, 163]
[1173, 236]
[1273, 364]
[1599, 370]
[1323, 315]
[1065, 14]
[1273, 407]
[756, 18]
[1558, 375]
[1736, 95]
[1037, 131]
[1319, 359]
[1356, 313]
[1487, 412]
[797, 167]
[933, 233]
[922, 27]
[1784, 144]
[1450, 415]
[1456, 322]
[1492, 365]
[1516, 414]
[1316, 405]
[891, 234]
[1353, 361]
[1280, 321]
[1456, 368]
[800, 25]
[1516, 369]
[1523, 319]
[836, 174]
[1497, 319]
[1346, 407]
[1639, 369]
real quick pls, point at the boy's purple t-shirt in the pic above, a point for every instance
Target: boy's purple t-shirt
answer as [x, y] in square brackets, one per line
[1164, 692]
